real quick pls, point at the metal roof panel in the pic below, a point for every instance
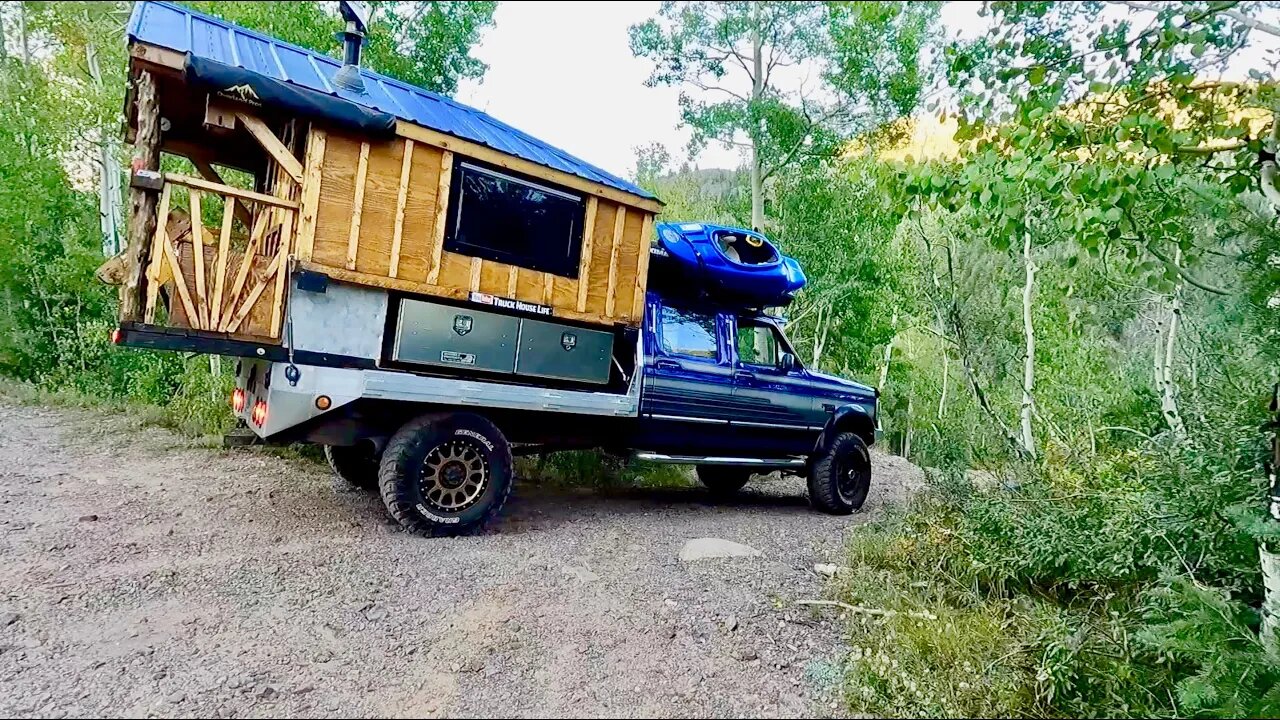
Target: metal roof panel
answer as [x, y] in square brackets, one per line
[184, 30]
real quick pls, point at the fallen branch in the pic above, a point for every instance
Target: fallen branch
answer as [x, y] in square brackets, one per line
[877, 612]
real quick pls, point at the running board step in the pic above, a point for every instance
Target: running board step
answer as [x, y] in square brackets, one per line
[791, 462]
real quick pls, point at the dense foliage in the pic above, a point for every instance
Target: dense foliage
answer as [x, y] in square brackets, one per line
[1071, 315]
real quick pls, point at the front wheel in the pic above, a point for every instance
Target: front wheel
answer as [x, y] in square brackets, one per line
[446, 475]
[840, 478]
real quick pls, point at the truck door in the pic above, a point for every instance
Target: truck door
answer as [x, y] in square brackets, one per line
[776, 406]
[688, 381]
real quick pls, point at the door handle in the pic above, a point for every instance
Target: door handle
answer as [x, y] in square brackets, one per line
[743, 375]
[667, 365]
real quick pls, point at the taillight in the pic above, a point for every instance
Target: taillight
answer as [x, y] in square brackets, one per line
[116, 336]
[259, 413]
[237, 400]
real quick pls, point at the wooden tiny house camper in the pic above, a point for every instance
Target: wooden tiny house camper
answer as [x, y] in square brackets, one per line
[395, 189]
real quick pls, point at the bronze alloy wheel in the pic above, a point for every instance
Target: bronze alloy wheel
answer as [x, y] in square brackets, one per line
[454, 475]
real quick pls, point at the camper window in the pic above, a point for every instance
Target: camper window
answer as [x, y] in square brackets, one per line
[498, 216]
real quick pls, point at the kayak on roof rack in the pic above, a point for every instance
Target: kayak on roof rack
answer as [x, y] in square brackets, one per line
[732, 265]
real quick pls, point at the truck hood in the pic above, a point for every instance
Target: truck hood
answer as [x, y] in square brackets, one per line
[840, 384]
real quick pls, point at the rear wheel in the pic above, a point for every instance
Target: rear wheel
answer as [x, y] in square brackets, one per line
[444, 475]
[357, 464]
[723, 480]
[840, 478]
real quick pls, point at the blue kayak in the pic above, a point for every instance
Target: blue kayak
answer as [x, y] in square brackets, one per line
[727, 264]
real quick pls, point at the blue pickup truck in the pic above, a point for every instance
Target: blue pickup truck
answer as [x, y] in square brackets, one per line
[720, 388]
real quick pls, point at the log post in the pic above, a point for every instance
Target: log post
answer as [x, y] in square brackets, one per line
[142, 202]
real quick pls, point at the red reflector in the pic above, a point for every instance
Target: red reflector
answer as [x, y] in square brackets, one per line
[259, 414]
[237, 400]
[115, 336]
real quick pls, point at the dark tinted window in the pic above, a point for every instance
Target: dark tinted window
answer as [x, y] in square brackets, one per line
[496, 216]
[757, 344]
[688, 333]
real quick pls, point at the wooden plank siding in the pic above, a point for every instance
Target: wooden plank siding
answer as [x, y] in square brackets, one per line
[381, 220]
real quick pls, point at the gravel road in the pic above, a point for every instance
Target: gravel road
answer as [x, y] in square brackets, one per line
[141, 575]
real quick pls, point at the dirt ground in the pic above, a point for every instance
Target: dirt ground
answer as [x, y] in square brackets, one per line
[141, 575]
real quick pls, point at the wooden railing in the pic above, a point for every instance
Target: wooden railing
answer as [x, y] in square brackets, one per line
[220, 285]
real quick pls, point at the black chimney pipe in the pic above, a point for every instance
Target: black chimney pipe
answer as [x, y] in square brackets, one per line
[348, 76]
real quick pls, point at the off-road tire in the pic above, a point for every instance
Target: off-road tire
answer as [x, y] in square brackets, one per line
[723, 480]
[357, 464]
[404, 486]
[840, 478]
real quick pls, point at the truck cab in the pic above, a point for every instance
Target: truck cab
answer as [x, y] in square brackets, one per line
[725, 382]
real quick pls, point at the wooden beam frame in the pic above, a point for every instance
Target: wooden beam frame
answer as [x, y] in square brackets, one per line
[197, 259]
[200, 184]
[477, 267]
[282, 263]
[486, 154]
[242, 273]
[619, 224]
[357, 207]
[163, 57]
[402, 197]
[220, 265]
[247, 306]
[442, 215]
[642, 270]
[158, 241]
[584, 260]
[272, 145]
[309, 198]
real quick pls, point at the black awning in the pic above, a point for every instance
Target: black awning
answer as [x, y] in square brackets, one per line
[271, 93]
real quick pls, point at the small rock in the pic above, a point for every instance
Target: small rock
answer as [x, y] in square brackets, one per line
[323, 656]
[745, 654]
[375, 614]
[266, 693]
[234, 684]
[176, 697]
[303, 690]
[829, 570]
[541, 676]
[730, 624]
[160, 675]
[88, 518]
[709, 548]
[8, 618]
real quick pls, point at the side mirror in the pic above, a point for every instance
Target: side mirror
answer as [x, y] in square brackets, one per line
[788, 362]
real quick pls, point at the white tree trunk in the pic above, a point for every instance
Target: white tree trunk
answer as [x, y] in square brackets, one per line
[1027, 436]
[110, 197]
[22, 33]
[1165, 345]
[946, 375]
[820, 333]
[888, 355]
[1270, 172]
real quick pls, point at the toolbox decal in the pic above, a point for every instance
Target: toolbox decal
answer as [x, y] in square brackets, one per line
[457, 358]
[568, 341]
[509, 304]
[462, 324]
